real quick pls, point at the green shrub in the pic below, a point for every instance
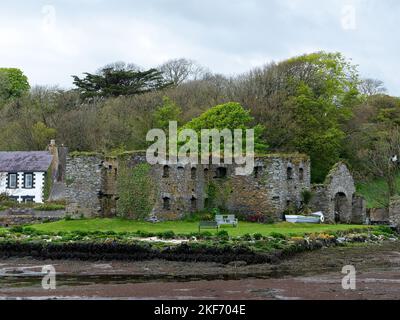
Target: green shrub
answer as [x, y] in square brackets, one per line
[167, 235]
[203, 235]
[198, 216]
[385, 229]
[247, 237]
[17, 229]
[145, 234]
[223, 234]
[277, 235]
[6, 202]
[258, 236]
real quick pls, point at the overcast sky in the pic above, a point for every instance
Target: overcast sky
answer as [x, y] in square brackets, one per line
[52, 40]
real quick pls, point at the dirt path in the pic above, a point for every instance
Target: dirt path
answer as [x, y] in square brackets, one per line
[312, 275]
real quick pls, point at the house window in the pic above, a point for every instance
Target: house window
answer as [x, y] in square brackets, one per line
[12, 181]
[28, 199]
[290, 173]
[14, 198]
[193, 173]
[221, 173]
[166, 172]
[301, 174]
[166, 203]
[28, 180]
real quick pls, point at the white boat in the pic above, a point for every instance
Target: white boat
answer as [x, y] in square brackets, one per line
[317, 217]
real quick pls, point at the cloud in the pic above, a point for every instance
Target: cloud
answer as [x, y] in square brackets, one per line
[50, 42]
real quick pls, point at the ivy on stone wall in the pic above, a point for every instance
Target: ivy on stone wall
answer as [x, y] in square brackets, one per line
[135, 190]
[218, 194]
[48, 184]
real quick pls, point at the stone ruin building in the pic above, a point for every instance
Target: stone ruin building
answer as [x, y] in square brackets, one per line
[90, 187]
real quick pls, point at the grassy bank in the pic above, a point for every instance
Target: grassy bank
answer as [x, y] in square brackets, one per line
[375, 192]
[182, 227]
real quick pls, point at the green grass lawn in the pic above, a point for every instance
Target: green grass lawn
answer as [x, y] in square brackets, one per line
[375, 192]
[181, 227]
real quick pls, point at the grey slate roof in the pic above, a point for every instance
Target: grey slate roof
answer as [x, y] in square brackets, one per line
[25, 161]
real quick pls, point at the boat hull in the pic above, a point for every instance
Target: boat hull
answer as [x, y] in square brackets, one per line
[302, 219]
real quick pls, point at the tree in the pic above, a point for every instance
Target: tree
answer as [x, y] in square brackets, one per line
[169, 111]
[317, 131]
[228, 116]
[120, 80]
[371, 87]
[41, 135]
[303, 103]
[178, 71]
[372, 135]
[13, 83]
[384, 159]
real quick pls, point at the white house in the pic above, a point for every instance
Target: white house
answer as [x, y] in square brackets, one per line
[23, 174]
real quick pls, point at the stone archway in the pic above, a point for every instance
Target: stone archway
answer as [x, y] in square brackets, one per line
[342, 207]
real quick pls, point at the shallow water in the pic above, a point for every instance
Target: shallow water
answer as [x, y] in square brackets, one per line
[306, 276]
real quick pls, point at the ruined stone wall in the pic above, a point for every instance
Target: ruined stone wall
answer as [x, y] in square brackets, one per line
[394, 212]
[378, 215]
[321, 201]
[276, 184]
[336, 197]
[109, 173]
[359, 214]
[83, 180]
[17, 217]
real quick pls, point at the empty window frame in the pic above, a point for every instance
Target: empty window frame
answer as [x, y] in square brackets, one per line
[301, 174]
[289, 173]
[221, 173]
[193, 173]
[166, 172]
[166, 203]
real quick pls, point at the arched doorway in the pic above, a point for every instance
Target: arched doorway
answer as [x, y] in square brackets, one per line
[341, 207]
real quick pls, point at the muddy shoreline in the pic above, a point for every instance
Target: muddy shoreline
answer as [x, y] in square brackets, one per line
[308, 275]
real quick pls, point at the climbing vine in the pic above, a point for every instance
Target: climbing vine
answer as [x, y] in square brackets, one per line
[48, 184]
[135, 190]
[218, 194]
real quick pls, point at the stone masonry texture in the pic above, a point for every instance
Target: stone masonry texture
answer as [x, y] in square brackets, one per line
[275, 185]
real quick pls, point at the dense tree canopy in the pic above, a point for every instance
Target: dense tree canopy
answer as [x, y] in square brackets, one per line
[115, 81]
[302, 102]
[169, 111]
[13, 83]
[313, 103]
[228, 116]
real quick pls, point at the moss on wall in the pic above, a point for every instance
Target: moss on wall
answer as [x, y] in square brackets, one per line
[135, 190]
[218, 193]
[48, 184]
[84, 154]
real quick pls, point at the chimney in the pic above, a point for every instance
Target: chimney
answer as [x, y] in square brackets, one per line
[54, 152]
